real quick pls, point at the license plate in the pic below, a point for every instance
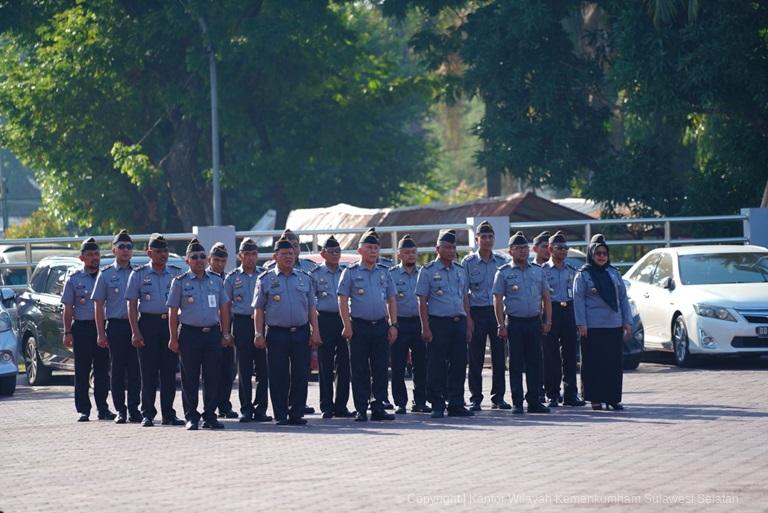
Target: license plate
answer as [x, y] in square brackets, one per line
[762, 331]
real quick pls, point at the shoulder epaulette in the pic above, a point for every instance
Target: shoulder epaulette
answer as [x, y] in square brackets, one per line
[506, 265]
[263, 273]
[105, 267]
[139, 267]
[316, 269]
[173, 266]
[458, 264]
[429, 264]
[353, 265]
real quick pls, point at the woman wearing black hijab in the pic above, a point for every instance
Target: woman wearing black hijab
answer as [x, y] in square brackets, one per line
[603, 316]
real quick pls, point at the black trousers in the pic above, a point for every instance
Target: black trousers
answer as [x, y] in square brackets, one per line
[250, 360]
[89, 355]
[409, 339]
[602, 371]
[288, 358]
[486, 328]
[125, 366]
[369, 355]
[333, 359]
[560, 352]
[157, 364]
[200, 350]
[447, 362]
[524, 335]
[226, 378]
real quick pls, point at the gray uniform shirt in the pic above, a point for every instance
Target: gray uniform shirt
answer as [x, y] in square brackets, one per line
[481, 274]
[405, 287]
[285, 298]
[241, 287]
[444, 287]
[110, 287]
[326, 284]
[560, 280]
[151, 287]
[77, 292]
[522, 288]
[368, 290]
[591, 310]
[198, 299]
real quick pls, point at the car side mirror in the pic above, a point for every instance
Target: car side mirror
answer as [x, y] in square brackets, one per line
[668, 283]
[8, 294]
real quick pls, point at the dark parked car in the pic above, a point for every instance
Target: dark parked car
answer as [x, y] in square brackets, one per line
[40, 316]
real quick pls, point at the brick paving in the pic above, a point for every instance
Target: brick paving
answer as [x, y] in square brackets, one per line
[690, 439]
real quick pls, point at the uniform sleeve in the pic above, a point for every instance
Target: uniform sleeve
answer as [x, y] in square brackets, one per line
[99, 288]
[259, 295]
[68, 295]
[224, 297]
[626, 311]
[498, 283]
[579, 299]
[312, 291]
[422, 283]
[228, 285]
[391, 291]
[132, 289]
[345, 283]
[174, 296]
[466, 281]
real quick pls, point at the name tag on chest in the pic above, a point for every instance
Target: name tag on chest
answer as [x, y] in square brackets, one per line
[212, 300]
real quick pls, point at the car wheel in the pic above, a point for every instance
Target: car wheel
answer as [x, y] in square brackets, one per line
[632, 362]
[37, 372]
[7, 385]
[683, 356]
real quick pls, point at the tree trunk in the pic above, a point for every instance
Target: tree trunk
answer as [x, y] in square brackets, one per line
[180, 166]
[764, 202]
[493, 182]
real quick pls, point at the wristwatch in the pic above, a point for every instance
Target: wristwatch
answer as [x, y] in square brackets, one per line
[257, 334]
[393, 325]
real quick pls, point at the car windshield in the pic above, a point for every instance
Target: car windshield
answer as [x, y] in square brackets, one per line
[724, 268]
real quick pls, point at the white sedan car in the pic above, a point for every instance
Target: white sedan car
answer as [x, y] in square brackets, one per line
[702, 300]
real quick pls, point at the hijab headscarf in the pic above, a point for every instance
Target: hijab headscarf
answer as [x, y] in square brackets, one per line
[599, 273]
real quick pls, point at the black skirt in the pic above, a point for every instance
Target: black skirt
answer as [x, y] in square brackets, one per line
[602, 365]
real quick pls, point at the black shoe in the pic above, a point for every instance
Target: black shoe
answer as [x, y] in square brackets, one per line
[212, 424]
[437, 414]
[147, 422]
[518, 409]
[460, 412]
[475, 406]
[83, 417]
[172, 421]
[400, 410]
[421, 408]
[297, 421]
[120, 418]
[503, 405]
[361, 417]
[261, 417]
[381, 415]
[537, 408]
[542, 398]
[344, 413]
[245, 417]
[281, 422]
[387, 405]
[134, 417]
[327, 414]
[574, 401]
[106, 415]
[191, 426]
[228, 414]
[615, 406]
[554, 403]
[308, 410]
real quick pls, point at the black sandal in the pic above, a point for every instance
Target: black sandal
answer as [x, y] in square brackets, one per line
[615, 406]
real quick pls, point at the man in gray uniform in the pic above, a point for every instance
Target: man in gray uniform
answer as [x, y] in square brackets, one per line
[111, 310]
[369, 312]
[519, 289]
[404, 276]
[333, 355]
[442, 289]
[198, 301]
[240, 285]
[80, 335]
[147, 292]
[541, 248]
[481, 268]
[285, 304]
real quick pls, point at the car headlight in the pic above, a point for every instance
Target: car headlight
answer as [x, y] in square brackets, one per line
[714, 312]
[5, 321]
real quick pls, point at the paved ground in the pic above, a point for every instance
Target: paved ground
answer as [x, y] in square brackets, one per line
[693, 440]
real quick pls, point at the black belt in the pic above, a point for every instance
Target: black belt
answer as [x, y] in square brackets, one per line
[291, 329]
[204, 329]
[242, 316]
[487, 308]
[154, 315]
[562, 304]
[117, 319]
[372, 323]
[408, 319]
[454, 318]
[85, 320]
[323, 312]
[527, 319]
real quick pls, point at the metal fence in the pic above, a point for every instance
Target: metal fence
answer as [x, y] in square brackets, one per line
[394, 232]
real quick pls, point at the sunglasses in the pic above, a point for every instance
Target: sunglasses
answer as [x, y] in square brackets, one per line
[334, 251]
[559, 246]
[601, 253]
[125, 245]
[197, 256]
